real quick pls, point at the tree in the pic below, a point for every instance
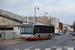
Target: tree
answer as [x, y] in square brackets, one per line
[74, 26]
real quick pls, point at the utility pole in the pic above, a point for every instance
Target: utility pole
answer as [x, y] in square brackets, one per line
[27, 20]
[46, 20]
[50, 19]
[30, 7]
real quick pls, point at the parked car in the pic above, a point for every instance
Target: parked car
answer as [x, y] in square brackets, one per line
[70, 32]
[73, 34]
[60, 33]
[67, 33]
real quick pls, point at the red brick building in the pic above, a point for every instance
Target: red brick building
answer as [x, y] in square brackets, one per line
[61, 26]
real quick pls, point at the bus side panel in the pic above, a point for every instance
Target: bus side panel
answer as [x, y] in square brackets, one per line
[52, 35]
[45, 35]
[42, 36]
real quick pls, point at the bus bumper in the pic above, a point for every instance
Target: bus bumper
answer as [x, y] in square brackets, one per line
[28, 37]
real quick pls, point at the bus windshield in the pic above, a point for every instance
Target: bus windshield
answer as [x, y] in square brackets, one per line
[26, 30]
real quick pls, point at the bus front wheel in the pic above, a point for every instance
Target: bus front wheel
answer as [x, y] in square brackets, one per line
[39, 37]
[26, 39]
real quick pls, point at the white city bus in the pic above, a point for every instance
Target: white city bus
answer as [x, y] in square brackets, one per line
[30, 31]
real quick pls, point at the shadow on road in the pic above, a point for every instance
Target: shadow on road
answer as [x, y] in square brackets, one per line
[38, 40]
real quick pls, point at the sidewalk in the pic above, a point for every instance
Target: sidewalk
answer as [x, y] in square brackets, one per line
[11, 42]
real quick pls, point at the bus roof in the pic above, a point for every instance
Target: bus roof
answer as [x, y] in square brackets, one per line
[36, 25]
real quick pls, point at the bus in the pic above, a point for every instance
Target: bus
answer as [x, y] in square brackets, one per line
[30, 31]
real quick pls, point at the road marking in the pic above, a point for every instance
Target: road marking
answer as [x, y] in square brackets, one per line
[70, 48]
[17, 49]
[48, 49]
[59, 49]
[37, 49]
[26, 49]
[38, 44]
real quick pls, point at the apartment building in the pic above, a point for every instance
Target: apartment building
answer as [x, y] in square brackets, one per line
[61, 27]
[41, 19]
[55, 22]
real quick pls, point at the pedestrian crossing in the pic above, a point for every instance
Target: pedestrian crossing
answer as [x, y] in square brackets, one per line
[37, 49]
[26, 49]
[59, 49]
[49, 49]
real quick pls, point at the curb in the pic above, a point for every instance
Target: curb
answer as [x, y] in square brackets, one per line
[12, 44]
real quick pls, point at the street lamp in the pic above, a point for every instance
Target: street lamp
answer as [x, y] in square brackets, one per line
[35, 14]
[44, 16]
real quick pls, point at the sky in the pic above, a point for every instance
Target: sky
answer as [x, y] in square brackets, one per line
[64, 10]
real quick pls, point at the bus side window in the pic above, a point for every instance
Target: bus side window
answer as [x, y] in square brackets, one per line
[48, 30]
[52, 29]
[37, 30]
[45, 30]
[41, 30]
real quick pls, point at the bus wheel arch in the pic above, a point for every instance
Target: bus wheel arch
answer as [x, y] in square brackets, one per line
[49, 37]
[26, 39]
[38, 37]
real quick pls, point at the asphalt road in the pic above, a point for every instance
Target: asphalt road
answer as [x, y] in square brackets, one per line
[60, 42]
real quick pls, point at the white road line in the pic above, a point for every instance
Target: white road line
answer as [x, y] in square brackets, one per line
[37, 49]
[70, 48]
[59, 49]
[38, 44]
[26, 49]
[48, 49]
[17, 49]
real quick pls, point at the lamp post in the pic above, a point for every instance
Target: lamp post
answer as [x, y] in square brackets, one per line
[35, 14]
[44, 16]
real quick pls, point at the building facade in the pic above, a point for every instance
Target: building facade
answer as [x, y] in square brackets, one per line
[55, 22]
[41, 19]
[68, 28]
[61, 27]
[5, 20]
